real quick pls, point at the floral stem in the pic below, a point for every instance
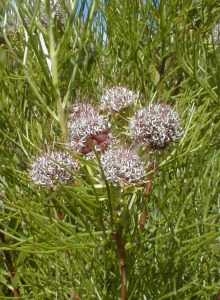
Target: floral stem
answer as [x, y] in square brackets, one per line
[75, 295]
[54, 73]
[118, 238]
[146, 193]
[58, 212]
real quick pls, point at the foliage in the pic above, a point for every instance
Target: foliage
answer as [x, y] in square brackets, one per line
[62, 243]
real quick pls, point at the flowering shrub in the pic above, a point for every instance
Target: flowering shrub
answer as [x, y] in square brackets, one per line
[108, 215]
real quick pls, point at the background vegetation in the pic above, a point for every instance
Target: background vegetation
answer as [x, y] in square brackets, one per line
[50, 56]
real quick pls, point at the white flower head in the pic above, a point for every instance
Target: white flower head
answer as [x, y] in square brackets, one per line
[216, 34]
[117, 98]
[122, 166]
[156, 126]
[53, 167]
[87, 129]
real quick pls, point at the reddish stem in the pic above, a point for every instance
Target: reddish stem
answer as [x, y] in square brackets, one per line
[59, 215]
[75, 295]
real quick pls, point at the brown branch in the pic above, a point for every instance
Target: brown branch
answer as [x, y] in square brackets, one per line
[176, 89]
[161, 71]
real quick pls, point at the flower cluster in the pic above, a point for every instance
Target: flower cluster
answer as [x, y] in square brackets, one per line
[53, 167]
[122, 166]
[156, 126]
[87, 129]
[117, 98]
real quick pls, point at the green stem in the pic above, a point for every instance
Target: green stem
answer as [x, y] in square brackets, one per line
[10, 266]
[146, 193]
[54, 73]
[118, 236]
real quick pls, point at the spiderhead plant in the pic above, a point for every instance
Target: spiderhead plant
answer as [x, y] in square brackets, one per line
[122, 168]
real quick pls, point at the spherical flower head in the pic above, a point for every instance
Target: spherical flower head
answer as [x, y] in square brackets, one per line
[117, 98]
[88, 129]
[53, 167]
[122, 166]
[216, 34]
[156, 126]
[80, 110]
